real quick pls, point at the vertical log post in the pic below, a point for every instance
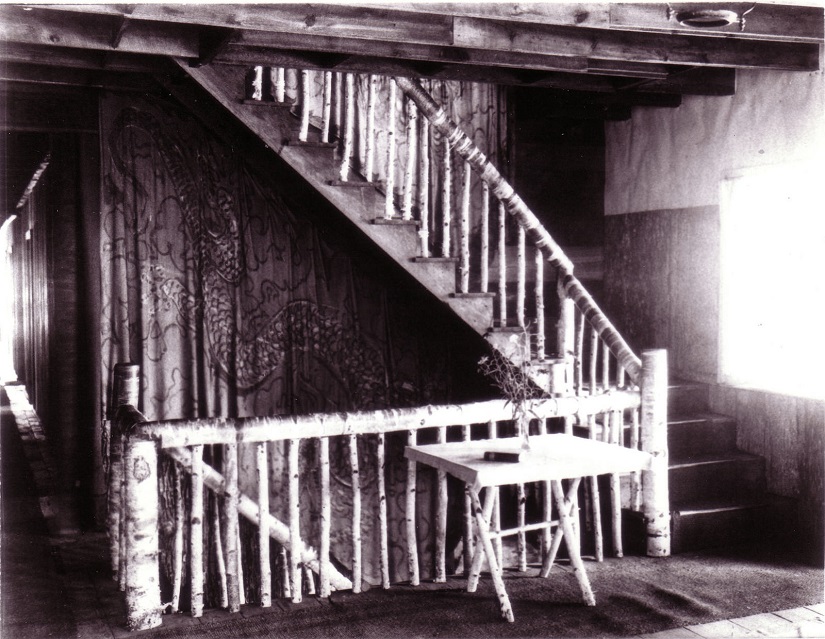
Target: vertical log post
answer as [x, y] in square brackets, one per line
[264, 567]
[177, 579]
[326, 520]
[326, 114]
[383, 542]
[502, 265]
[447, 199]
[464, 264]
[616, 420]
[495, 517]
[230, 513]
[389, 201]
[412, 542]
[369, 160]
[409, 173]
[540, 328]
[635, 477]
[279, 82]
[143, 606]
[303, 132]
[196, 533]
[349, 126]
[566, 337]
[441, 519]
[257, 83]
[654, 441]
[578, 368]
[126, 392]
[485, 236]
[223, 600]
[595, 499]
[468, 514]
[293, 468]
[356, 514]
[424, 188]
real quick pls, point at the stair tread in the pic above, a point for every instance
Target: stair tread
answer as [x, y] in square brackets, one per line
[699, 417]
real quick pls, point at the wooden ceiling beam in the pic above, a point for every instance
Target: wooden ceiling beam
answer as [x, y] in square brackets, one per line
[87, 78]
[84, 59]
[762, 21]
[96, 32]
[634, 47]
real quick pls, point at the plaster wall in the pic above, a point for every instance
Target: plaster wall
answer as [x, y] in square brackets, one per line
[662, 246]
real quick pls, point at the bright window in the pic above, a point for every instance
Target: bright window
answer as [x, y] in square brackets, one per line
[772, 299]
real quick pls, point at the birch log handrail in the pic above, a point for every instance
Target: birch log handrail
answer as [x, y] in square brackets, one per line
[489, 174]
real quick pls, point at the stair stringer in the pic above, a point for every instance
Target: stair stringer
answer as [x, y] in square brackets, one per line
[276, 128]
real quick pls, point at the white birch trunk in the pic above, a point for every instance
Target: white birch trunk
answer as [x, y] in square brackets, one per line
[424, 188]
[230, 512]
[326, 114]
[654, 441]
[257, 83]
[264, 566]
[382, 515]
[326, 518]
[412, 542]
[196, 533]
[369, 161]
[485, 237]
[464, 265]
[521, 287]
[441, 519]
[446, 199]
[278, 78]
[295, 519]
[540, 328]
[389, 202]
[303, 132]
[409, 173]
[349, 126]
[502, 265]
[177, 569]
[143, 605]
[356, 514]
[219, 557]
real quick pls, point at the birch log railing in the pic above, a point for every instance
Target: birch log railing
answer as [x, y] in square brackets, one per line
[137, 447]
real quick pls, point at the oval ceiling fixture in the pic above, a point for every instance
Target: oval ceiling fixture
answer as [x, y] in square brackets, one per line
[706, 18]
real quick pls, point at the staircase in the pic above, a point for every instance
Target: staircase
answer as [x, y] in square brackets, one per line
[718, 493]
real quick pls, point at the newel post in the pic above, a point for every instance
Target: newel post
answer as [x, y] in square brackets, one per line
[654, 441]
[140, 465]
[125, 392]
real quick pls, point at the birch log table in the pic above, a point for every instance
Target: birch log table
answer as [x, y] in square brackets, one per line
[551, 458]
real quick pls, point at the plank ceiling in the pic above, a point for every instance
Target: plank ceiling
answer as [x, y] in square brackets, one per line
[618, 53]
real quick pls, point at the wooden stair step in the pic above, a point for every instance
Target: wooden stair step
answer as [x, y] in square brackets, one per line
[698, 436]
[736, 474]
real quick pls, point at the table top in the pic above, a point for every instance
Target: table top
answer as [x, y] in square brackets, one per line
[550, 457]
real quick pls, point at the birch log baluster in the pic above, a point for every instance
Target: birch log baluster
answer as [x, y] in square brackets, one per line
[616, 420]
[490, 496]
[446, 199]
[389, 201]
[654, 441]
[468, 514]
[412, 543]
[143, 603]
[326, 519]
[579, 365]
[309, 580]
[540, 338]
[488, 173]
[605, 367]
[196, 533]
[502, 265]
[547, 498]
[595, 500]
[303, 132]
[263, 533]
[424, 188]
[349, 126]
[278, 80]
[369, 160]
[223, 593]
[441, 519]
[485, 235]
[326, 114]
[521, 282]
[339, 104]
[409, 171]
[241, 587]
[521, 539]
[230, 512]
[356, 514]
[294, 520]
[620, 373]
[594, 359]
[177, 570]
[464, 265]
[286, 589]
[382, 514]
[566, 338]
[635, 478]
[257, 83]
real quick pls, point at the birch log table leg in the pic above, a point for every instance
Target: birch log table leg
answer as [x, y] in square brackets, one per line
[483, 526]
[570, 538]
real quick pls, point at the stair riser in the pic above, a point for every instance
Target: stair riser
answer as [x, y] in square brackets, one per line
[725, 479]
[689, 440]
[687, 400]
[697, 531]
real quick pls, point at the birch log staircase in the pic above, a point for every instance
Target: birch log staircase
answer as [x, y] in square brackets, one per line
[592, 383]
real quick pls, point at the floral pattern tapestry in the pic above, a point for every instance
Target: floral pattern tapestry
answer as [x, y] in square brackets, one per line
[224, 284]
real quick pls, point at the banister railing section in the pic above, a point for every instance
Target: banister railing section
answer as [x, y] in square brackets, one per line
[594, 386]
[621, 417]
